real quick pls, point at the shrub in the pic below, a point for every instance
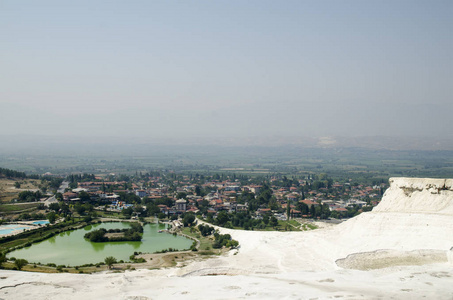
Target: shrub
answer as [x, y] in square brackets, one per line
[20, 263]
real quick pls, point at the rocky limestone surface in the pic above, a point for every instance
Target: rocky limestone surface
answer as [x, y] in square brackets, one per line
[423, 195]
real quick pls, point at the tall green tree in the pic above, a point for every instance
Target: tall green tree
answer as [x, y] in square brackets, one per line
[189, 219]
[313, 211]
[84, 196]
[54, 206]
[222, 218]
[273, 221]
[109, 261]
[2, 259]
[52, 217]
[20, 263]
[198, 190]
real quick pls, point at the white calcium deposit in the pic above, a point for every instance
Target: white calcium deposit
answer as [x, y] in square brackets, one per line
[399, 250]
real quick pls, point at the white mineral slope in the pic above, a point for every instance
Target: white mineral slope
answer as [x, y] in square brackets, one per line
[418, 195]
[415, 217]
[413, 214]
[396, 223]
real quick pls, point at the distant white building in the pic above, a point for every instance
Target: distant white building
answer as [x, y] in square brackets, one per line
[181, 205]
[140, 193]
[78, 190]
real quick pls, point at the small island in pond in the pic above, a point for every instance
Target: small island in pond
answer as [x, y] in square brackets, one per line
[116, 235]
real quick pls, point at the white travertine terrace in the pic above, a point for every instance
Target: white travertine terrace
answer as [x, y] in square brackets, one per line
[422, 195]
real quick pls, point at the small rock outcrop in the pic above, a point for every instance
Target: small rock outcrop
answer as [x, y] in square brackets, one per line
[418, 195]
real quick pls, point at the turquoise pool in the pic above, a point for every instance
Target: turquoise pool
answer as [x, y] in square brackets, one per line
[40, 222]
[10, 228]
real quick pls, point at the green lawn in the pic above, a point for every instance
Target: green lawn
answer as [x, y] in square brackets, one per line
[109, 214]
[17, 207]
[205, 242]
[308, 226]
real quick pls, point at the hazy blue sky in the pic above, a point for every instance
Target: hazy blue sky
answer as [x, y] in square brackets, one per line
[214, 68]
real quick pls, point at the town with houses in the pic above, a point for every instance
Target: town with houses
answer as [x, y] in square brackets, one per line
[171, 196]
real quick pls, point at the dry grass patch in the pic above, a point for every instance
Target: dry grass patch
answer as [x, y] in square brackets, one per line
[8, 192]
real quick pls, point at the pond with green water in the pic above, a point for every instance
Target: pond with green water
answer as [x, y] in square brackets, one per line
[70, 248]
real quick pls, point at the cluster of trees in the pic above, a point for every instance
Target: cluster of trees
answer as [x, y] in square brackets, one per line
[287, 182]
[129, 198]
[83, 209]
[321, 211]
[12, 173]
[206, 230]
[97, 236]
[151, 205]
[52, 217]
[60, 208]
[139, 205]
[220, 240]
[18, 263]
[224, 240]
[264, 198]
[134, 233]
[32, 216]
[51, 182]
[28, 196]
[75, 178]
[46, 181]
[188, 219]
[242, 220]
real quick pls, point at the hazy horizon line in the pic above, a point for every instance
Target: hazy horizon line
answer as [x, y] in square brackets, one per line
[400, 142]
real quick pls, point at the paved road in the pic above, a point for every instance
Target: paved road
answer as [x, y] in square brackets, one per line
[64, 185]
[50, 200]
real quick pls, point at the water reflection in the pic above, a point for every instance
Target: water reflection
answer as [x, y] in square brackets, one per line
[71, 248]
[97, 246]
[135, 245]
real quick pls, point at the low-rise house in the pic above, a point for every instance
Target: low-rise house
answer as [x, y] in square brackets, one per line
[193, 210]
[112, 197]
[163, 208]
[69, 195]
[241, 208]
[295, 213]
[292, 197]
[255, 189]
[308, 202]
[262, 211]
